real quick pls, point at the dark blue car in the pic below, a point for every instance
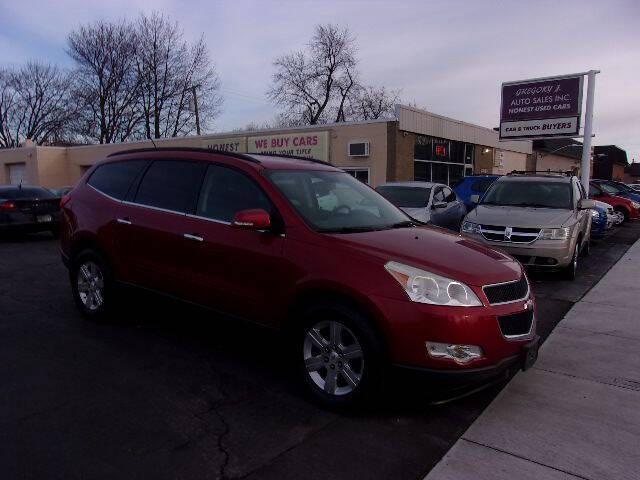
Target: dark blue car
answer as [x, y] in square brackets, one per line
[598, 221]
[473, 185]
[618, 189]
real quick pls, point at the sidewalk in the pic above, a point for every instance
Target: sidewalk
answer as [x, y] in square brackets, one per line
[576, 413]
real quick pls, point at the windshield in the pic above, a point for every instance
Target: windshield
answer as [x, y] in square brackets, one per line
[14, 193]
[406, 197]
[529, 194]
[623, 187]
[337, 202]
[607, 187]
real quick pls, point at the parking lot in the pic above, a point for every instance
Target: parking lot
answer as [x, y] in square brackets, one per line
[169, 391]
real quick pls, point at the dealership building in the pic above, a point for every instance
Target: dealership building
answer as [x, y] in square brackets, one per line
[415, 145]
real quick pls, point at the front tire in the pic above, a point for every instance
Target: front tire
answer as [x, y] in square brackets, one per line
[92, 285]
[340, 356]
[571, 270]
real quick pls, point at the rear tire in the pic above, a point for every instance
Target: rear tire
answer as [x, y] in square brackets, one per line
[340, 355]
[92, 285]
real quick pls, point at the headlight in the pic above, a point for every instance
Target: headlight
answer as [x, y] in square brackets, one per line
[554, 233]
[595, 214]
[636, 205]
[427, 287]
[470, 227]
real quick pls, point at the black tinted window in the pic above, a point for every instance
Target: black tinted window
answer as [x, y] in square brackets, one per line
[449, 196]
[407, 197]
[14, 193]
[481, 186]
[171, 184]
[226, 191]
[114, 179]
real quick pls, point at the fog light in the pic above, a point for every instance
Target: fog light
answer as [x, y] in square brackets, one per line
[452, 351]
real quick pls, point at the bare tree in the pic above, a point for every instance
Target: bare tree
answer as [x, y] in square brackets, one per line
[34, 104]
[313, 85]
[107, 84]
[371, 103]
[170, 73]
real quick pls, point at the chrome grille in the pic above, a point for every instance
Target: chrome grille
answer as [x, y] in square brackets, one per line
[496, 233]
[507, 292]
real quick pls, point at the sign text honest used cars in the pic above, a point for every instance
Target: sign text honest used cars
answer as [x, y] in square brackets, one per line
[541, 108]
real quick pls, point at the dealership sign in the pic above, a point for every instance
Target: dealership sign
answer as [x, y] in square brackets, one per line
[304, 144]
[549, 107]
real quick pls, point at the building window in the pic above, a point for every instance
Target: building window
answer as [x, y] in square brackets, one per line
[442, 161]
[361, 174]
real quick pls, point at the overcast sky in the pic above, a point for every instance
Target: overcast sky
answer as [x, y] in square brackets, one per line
[448, 56]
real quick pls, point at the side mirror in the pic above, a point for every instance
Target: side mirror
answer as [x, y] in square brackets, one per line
[255, 219]
[586, 204]
[475, 199]
[439, 205]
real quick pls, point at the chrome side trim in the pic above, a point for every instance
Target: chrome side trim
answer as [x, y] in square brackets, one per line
[151, 207]
[222, 222]
[507, 283]
[102, 193]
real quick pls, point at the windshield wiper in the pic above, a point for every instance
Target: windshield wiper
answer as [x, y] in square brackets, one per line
[406, 223]
[533, 205]
[349, 229]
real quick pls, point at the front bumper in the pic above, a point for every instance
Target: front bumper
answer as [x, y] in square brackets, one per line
[473, 377]
[540, 253]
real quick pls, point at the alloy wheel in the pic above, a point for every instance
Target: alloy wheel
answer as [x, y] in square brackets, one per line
[90, 283]
[333, 357]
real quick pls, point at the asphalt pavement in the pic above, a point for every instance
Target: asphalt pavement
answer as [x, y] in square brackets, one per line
[170, 391]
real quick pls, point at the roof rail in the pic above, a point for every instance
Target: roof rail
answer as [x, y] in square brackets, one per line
[567, 173]
[294, 157]
[240, 156]
[249, 157]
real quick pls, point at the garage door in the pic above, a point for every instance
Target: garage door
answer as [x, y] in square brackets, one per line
[16, 173]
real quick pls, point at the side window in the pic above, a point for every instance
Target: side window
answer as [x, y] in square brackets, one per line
[115, 178]
[438, 195]
[593, 191]
[226, 191]
[449, 196]
[171, 184]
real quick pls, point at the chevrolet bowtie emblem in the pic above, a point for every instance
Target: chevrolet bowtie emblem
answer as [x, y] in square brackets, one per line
[507, 233]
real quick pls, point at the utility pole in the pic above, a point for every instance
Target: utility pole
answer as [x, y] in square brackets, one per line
[195, 107]
[588, 131]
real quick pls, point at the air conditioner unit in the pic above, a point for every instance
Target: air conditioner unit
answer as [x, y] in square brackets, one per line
[358, 149]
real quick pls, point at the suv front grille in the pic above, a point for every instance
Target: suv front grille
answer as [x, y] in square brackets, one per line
[507, 292]
[516, 324]
[496, 233]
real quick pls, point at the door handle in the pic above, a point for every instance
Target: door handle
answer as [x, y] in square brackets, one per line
[124, 221]
[193, 237]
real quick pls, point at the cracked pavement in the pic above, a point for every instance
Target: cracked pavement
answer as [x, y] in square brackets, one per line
[169, 391]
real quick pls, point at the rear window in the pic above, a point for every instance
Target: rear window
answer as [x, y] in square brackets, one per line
[171, 185]
[114, 179]
[14, 193]
[481, 186]
[406, 197]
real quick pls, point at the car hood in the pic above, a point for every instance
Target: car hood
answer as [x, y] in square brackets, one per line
[422, 214]
[528, 217]
[435, 250]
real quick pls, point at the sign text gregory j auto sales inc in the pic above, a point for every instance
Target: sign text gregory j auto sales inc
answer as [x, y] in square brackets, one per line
[541, 108]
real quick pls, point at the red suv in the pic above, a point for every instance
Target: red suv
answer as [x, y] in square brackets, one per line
[302, 246]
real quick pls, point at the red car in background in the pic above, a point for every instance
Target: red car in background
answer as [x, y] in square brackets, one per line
[299, 245]
[626, 208]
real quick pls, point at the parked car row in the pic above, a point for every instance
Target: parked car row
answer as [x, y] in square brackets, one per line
[360, 286]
